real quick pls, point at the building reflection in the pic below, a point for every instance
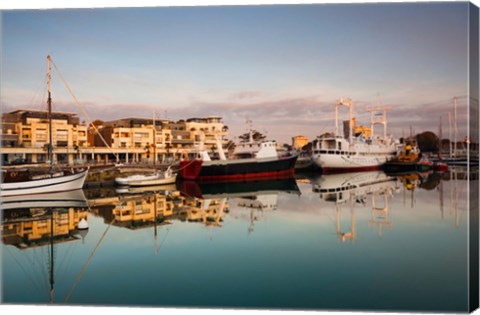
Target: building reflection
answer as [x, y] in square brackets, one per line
[147, 209]
[206, 204]
[257, 197]
[34, 220]
[143, 211]
[208, 211]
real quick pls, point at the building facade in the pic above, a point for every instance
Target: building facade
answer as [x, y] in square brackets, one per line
[298, 142]
[25, 138]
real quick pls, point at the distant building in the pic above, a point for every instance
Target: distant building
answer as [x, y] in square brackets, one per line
[366, 132]
[299, 142]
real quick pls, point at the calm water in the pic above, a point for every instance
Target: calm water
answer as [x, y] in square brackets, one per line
[353, 241]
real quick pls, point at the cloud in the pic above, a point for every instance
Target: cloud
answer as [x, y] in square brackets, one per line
[245, 95]
[301, 110]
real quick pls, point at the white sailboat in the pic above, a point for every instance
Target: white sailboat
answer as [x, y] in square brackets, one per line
[158, 178]
[24, 182]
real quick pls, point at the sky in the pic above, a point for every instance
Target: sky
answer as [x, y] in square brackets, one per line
[281, 66]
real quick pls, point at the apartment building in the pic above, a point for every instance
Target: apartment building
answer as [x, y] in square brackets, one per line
[133, 138]
[25, 135]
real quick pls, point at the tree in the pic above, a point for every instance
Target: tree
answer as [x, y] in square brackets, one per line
[257, 136]
[427, 141]
[97, 122]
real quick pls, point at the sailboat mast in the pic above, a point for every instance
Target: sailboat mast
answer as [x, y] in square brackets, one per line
[49, 101]
[450, 133]
[455, 126]
[154, 142]
[440, 136]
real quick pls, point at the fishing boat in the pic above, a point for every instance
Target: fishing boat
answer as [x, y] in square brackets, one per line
[17, 181]
[138, 180]
[407, 160]
[251, 160]
[354, 152]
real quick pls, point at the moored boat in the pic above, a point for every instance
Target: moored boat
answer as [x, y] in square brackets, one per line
[24, 182]
[354, 152]
[251, 160]
[304, 161]
[158, 178]
[406, 160]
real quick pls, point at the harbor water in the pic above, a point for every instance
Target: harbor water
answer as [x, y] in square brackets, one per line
[363, 241]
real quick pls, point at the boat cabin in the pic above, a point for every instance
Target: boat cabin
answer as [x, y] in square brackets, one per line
[334, 145]
[250, 150]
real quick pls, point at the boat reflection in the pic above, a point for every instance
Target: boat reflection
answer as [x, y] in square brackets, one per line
[353, 189]
[255, 196]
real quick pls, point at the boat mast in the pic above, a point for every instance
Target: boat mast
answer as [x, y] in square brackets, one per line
[440, 136]
[345, 102]
[154, 142]
[455, 126]
[49, 101]
[450, 133]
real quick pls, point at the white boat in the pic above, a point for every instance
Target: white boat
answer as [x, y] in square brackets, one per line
[23, 182]
[159, 178]
[51, 183]
[355, 152]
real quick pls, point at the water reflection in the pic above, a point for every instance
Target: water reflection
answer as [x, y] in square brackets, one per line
[46, 220]
[307, 216]
[189, 201]
[351, 190]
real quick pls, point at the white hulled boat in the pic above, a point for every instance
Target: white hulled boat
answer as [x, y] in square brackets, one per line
[158, 178]
[355, 152]
[24, 182]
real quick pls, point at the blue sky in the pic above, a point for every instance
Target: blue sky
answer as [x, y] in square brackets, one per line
[282, 66]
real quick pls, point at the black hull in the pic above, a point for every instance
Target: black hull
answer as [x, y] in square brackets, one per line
[238, 170]
[248, 168]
